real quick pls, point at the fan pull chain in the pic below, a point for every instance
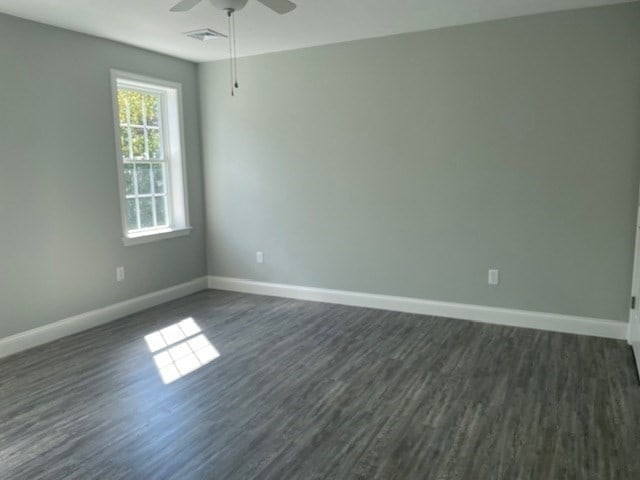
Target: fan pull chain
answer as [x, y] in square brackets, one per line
[231, 63]
[233, 58]
[235, 52]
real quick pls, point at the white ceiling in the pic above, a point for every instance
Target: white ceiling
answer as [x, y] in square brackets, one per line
[149, 24]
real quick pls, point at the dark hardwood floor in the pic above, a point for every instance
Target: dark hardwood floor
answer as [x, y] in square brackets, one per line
[312, 391]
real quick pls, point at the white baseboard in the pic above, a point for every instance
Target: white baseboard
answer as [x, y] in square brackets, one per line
[636, 353]
[68, 326]
[633, 338]
[633, 332]
[499, 316]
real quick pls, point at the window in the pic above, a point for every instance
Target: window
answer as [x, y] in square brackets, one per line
[148, 124]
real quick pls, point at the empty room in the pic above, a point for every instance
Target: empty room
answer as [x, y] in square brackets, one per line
[337, 239]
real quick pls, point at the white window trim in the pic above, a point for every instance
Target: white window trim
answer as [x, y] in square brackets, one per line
[174, 145]
[159, 234]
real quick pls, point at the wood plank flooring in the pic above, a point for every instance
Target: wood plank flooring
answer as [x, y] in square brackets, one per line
[317, 391]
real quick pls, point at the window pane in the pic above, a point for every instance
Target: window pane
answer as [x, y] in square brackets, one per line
[128, 179]
[143, 174]
[122, 106]
[155, 145]
[158, 178]
[132, 222]
[137, 142]
[161, 211]
[152, 104]
[124, 141]
[146, 213]
[135, 106]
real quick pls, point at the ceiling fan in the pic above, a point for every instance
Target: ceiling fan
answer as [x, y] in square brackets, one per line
[231, 7]
[278, 6]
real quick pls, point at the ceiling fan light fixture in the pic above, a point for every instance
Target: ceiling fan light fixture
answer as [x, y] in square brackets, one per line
[230, 7]
[233, 5]
[278, 6]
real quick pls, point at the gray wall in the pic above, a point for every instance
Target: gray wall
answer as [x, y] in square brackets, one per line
[409, 165]
[60, 229]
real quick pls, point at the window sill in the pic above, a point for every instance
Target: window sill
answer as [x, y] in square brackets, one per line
[140, 238]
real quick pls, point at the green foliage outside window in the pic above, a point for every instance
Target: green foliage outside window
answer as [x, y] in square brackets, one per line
[139, 115]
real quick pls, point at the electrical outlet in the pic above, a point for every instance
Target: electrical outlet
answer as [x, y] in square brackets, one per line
[259, 257]
[120, 274]
[494, 277]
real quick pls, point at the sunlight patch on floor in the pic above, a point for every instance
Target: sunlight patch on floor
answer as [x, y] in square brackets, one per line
[180, 349]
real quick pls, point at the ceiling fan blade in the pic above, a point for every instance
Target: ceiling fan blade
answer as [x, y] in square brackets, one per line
[279, 6]
[184, 5]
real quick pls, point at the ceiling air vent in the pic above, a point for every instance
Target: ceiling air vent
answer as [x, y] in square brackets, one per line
[205, 34]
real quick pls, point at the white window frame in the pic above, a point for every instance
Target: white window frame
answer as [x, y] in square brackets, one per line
[172, 126]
